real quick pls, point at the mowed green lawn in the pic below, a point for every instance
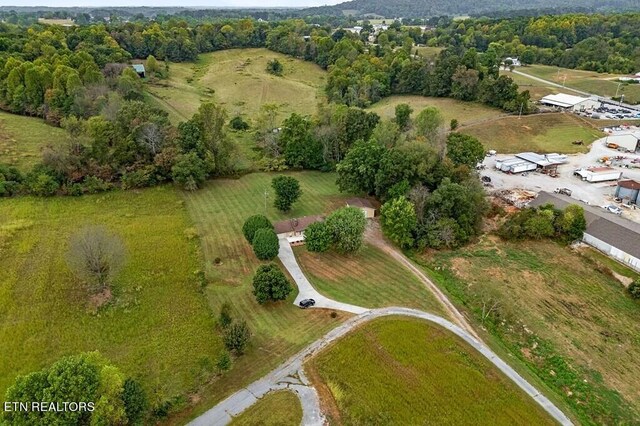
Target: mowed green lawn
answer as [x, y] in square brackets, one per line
[281, 408]
[589, 81]
[559, 312]
[536, 89]
[544, 133]
[279, 329]
[158, 327]
[368, 278]
[465, 112]
[22, 139]
[237, 79]
[407, 371]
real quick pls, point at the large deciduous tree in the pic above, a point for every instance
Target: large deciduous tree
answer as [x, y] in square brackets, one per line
[347, 228]
[317, 237]
[287, 191]
[270, 284]
[265, 244]
[464, 149]
[398, 219]
[252, 224]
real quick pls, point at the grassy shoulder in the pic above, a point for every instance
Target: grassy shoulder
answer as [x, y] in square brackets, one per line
[465, 112]
[22, 139]
[400, 380]
[280, 408]
[157, 327]
[563, 319]
[279, 329]
[237, 79]
[544, 133]
[367, 278]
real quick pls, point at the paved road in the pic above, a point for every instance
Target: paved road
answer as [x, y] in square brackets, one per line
[305, 289]
[290, 375]
[601, 98]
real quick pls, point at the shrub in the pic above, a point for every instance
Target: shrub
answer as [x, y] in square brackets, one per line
[9, 188]
[265, 244]
[135, 401]
[43, 185]
[225, 318]
[318, 237]
[398, 218]
[93, 185]
[252, 224]
[270, 284]
[275, 67]
[236, 337]
[634, 289]
[237, 123]
[140, 178]
[224, 361]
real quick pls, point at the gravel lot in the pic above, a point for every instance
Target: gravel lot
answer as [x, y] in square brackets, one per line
[597, 194]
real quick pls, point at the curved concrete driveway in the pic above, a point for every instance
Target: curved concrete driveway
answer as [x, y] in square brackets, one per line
[305, 289]
[290, 374]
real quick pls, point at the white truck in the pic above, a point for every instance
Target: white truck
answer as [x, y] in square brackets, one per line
[598, 174]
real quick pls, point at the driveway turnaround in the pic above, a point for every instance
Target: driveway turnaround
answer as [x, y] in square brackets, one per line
[305, 289]
[290, 375]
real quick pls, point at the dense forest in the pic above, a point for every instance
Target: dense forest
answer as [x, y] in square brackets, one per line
[427, 8]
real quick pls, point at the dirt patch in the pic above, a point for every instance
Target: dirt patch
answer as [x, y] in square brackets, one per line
[98, 300]
[460, 267]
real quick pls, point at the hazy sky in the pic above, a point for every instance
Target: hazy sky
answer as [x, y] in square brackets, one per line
[185, 3]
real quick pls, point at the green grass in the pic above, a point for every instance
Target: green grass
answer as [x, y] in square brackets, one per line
[158, 327]
[408, 371]
[280, 408]
[568, 322]
[22, 139]
[279, 329]
[369, 278]
[237, 79]
[589, 81]
[601, 260]
[537, 89]
[465, 112]
[543, 133]
[428, 51]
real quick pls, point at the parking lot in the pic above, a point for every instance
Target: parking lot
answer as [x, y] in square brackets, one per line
[595, 194]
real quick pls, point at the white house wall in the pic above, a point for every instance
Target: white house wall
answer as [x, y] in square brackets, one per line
[609, 250]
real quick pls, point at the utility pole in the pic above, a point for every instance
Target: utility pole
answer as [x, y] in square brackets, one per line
[618, 89]
[521, 107]
[266, 195]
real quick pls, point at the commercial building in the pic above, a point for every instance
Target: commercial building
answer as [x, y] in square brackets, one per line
[629, 192]
[629, 142]
[571, 102]
[614, 236]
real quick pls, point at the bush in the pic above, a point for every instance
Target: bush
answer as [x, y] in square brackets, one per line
[634, 289]
[275, 67]
[252, 224]
[9, 188]
[43, 185]
[224, 361]
[140, 178]
[236, 337]
[189, 171]
[135, 401]
[398, 219]
[237, 123]
[225, 318]
[265, 244]
[317, 237]
[270, 284]
[93, 185]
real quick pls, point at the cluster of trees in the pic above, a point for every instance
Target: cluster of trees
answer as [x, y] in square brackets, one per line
[88, 378]
[545, 222]
[343, 231]
[236, 335]
[597, 42]
[258, 231]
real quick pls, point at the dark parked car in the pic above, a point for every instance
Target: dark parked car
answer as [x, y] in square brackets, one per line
[307, 303]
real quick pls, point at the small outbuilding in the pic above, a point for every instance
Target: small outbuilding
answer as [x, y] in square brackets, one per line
[139, 69]
[571, 102]
[367, 207]
[628, 191]
[293, 229]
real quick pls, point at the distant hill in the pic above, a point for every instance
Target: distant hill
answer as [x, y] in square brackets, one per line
[429, 8]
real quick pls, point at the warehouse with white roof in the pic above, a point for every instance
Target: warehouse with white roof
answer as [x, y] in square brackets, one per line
[570, 102]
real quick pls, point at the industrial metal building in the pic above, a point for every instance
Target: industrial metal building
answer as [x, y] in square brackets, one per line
[629, 192]
[571, 102]
[614, 236]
